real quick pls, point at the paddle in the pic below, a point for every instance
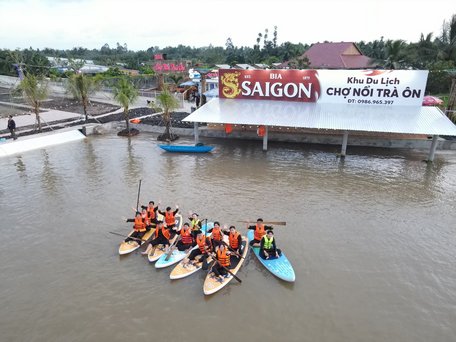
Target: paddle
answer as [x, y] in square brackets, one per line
[168, 255]
[232, 250]
[126, 236]
[226, 269]
[277, 223]
[139, 191]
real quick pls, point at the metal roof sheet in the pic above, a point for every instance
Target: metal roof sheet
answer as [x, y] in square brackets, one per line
[386, 119]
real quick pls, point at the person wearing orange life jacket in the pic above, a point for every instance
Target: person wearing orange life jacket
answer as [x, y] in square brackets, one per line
[217, 234]
[139, 228]
[151, 212]
[145, 217]
[186, 240]
[223, 262]
[169, 216]
[161, 237]
[235, 239]
[259, 231]
[268, 248]
[204, 247]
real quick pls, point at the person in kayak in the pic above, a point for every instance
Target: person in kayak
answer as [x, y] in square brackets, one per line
[151, 212]
[204, 247]
[161, 237]
[260, 231]
[268, 248]
[223, 257]
[169, 216]
[195, 224]
[186, 240]
[139, 228]
[235, 240]
[217, 235]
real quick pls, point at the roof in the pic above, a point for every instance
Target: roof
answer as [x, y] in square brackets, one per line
[399, 119]
[245, 66]
[223, 66]
[343, 55]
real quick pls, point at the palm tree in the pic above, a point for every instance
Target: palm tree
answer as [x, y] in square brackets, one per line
[394, 54]
[176, 78]
[167, 102]
[35, 90]
[82, 87]
[125, 94]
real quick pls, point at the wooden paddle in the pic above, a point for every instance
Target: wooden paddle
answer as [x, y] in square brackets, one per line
[226, 269]
[168, 255]
[139, 191]
[232, 250]
[277, 223]
[126, 236]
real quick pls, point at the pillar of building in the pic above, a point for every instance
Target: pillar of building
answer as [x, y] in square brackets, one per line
[435, 138]
[343, 152]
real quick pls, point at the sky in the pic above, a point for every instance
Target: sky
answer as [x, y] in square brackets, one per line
[64, 24]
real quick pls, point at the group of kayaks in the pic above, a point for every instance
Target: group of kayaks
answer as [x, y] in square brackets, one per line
[162, 258]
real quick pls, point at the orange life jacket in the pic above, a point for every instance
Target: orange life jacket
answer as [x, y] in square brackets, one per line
[186, 236]
[169, 218]
[234, 243]
[139, 226]
[223, 258]
[145, 219]
[164, 231]
[201, 244]
[259, 232]
[151, 212]
[216, 234]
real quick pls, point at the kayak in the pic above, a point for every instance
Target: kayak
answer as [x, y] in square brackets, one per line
[130, 246]
[186, 148]
[181, 270]
[177, 255]
[160, 249]
[213, 284]
[280, 266]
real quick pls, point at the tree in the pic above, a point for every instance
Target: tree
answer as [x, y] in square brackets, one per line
[125, 93]
[176, 78]
[168, 103]
[82, 87]
[35, 90]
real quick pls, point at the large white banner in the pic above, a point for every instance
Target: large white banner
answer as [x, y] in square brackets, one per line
[373, 87]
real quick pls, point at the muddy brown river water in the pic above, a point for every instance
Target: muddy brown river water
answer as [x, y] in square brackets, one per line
[371, 238]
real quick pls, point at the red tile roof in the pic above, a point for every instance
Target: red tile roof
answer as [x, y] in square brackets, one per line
[344, 55]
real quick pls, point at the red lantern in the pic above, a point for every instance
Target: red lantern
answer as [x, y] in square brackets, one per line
[228, 128]
[261, 131]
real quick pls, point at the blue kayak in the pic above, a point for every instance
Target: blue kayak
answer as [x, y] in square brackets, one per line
[280, 267]
[187, 148]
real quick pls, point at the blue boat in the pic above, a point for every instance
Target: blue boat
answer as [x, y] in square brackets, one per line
[280, 266]
[187, 148]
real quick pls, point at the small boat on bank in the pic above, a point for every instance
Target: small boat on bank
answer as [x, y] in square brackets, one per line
[280, 266]
[212, 284]
[186, 148]
[160, 249]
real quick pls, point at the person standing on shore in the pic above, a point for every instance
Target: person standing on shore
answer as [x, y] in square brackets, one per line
[12, 127]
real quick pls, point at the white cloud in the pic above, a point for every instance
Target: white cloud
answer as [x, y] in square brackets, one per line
[141, 24]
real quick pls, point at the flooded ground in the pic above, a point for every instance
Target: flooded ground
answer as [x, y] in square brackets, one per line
[371, 238]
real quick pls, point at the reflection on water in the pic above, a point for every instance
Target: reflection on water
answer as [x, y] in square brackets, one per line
[49, 178]
[371, 238]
